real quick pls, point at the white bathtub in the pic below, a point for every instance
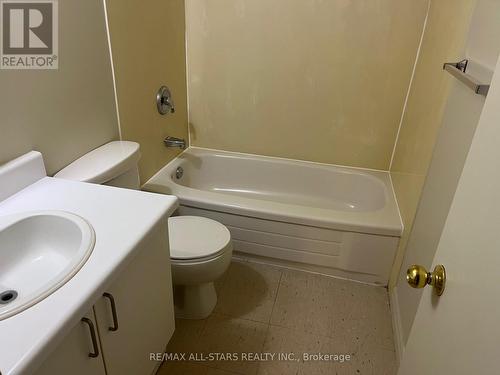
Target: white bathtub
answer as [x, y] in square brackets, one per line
[335, 220]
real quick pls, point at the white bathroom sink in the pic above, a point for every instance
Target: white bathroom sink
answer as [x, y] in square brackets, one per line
[39, 252]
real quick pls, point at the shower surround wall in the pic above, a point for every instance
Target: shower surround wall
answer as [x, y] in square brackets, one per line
[148, 48]
[322, 81]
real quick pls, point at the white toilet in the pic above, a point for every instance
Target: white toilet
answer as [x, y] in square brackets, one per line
[200, 248]
[200, 253]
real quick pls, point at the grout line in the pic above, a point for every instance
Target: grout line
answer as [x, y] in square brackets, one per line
[276, 296]
[227, 315]
[397, 206]
[186, 64]
[403, 113]
[264, 343]
[268, 328]
[112, 69]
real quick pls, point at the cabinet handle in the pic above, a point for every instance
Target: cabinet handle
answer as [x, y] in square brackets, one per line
[92, 336]
[113, 311]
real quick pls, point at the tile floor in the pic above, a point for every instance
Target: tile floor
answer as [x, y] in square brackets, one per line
[265, 309]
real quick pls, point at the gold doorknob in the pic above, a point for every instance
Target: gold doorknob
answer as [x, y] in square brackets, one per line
[418, 277]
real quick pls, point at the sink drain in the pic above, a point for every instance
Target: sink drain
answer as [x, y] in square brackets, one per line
[7, 297]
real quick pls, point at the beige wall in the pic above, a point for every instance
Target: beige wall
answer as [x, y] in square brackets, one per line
[67, 112]
[444, 40]
[148, 48]
[315, 80]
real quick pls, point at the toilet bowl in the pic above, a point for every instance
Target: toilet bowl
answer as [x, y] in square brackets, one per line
[200, 248]
[200, 253]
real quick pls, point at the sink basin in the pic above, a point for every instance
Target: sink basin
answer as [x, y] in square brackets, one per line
[39, 252]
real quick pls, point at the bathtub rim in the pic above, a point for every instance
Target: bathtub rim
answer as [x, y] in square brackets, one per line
[386, 221]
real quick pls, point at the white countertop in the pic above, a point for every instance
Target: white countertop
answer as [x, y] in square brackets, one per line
[120, 218]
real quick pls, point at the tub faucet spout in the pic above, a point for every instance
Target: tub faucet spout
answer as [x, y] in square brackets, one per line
[175, 142]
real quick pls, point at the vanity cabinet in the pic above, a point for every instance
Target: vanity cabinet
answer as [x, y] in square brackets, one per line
[134, 317]
[144, 310]
[72, 354]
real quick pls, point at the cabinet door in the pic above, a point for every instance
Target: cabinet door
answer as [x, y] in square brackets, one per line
[72, 354]
[142, 295]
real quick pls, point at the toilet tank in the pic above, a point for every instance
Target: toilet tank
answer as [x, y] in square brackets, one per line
[113, 164]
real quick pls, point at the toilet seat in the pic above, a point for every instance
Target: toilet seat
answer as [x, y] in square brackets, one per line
[194, 238]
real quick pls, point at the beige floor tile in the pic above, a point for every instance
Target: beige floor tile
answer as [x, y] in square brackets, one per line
[249, 291]
[288, 340]
[216, 371]
[322, 367]
[307, 302]
[281, 340]
[225, 334]
[219, 283]
[188, 368]
[182, 368]
[376, 361]
[366, 318]
[339, 309]
[308, 313]
[187, 336]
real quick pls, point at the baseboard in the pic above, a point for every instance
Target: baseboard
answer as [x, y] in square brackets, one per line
[396, 324]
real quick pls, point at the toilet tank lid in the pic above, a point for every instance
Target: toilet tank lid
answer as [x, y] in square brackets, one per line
[103, 164]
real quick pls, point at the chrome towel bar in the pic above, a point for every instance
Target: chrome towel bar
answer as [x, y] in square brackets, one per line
[458, 70]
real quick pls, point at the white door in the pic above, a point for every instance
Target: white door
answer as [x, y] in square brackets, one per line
[459, 333]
